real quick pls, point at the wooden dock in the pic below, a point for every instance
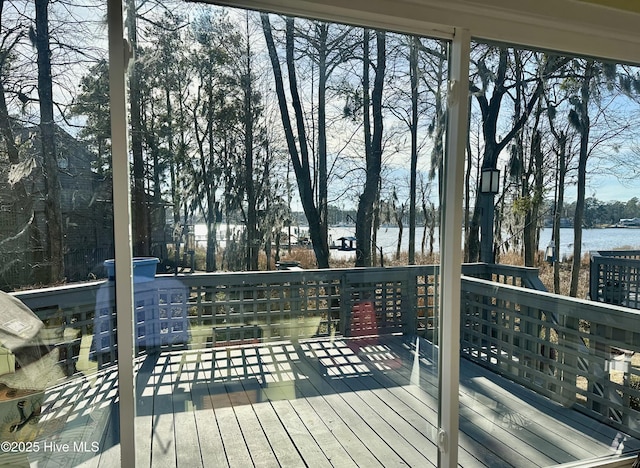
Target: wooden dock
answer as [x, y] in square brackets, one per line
[321, 402]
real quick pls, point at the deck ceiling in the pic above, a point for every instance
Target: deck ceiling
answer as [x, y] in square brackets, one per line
[626, 5]
[583, 27]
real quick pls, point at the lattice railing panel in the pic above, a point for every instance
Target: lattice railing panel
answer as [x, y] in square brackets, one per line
[574, 351]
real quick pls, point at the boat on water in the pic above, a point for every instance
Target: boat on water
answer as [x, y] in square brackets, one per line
[628, 223]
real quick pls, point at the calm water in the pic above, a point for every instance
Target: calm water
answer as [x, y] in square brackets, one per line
[592, 239]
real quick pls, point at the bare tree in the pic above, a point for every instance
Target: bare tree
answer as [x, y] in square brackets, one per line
[581, 120]
[20, 199]
[167, 78]
[491, 88]
[53, 214]
[561, 151]
[300, 157]
[215, 117]
[327, 46]
[373, 146]
[249, 116]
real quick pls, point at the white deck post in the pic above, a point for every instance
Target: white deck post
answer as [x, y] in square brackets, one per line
[451, 250]
[118, 60]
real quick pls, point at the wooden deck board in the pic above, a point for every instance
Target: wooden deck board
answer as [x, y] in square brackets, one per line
[144, 424]
[254, 436]
[418, 406]
[584, 430]
[304, 442]
[186, 435]
[562, 441]
[342, 403]
[336, 426]
[485, 431]
[197, 372]
[476, 446]
[244, 403]
[543, 431]
[410, 442]
[110, 457]
[235, 446]
[374, 433]
[210, 440]
[327, 439]
[163, 447]
[277, 435]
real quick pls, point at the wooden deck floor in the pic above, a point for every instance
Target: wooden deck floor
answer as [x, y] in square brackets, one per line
[318, 403]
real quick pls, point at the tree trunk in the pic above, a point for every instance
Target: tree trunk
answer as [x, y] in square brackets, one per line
[299, 160]
[467, 191]
[399, 216]
[432, 228]
[437, 154]
[140, 212]
[481, 225]
[210, 255]
[562, 154]
[253, 242]
[363, 245]
[173, 160]
[413, 70]
[52, 208]
[585, 124]
[211, 216]
[323, 194]
[531, 229]
[157, 215]
[561, 170]
[423, 243]
[364, 215]
[22, 200]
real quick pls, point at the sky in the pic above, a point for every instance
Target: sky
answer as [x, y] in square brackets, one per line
[609, 189]
[603, 187]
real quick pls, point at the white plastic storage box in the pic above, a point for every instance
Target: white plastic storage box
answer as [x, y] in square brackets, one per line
[160, 315]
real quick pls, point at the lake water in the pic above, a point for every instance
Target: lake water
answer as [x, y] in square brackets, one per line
[592, 239]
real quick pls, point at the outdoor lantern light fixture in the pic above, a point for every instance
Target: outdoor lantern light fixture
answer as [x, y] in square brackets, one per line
[489, 181]
[550, 253]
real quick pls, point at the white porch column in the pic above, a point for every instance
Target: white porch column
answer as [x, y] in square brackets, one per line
[118, 61]
[451, 250]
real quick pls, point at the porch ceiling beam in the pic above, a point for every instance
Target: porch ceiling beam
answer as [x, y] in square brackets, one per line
[563, 25]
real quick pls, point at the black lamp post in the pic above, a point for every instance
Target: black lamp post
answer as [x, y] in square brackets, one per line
[489, 187]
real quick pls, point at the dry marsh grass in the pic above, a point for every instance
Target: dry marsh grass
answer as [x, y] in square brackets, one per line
[306, 258]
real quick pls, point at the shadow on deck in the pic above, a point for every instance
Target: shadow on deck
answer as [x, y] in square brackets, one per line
[272, 368]
[320, 402]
